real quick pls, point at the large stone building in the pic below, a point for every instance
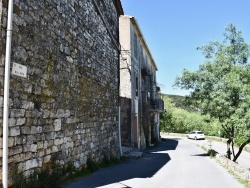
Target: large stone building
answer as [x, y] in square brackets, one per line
[140, 97]
[67, 105]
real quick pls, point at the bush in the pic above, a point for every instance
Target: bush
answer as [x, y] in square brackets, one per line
[92, 166]
[212, 153]
[178, 120]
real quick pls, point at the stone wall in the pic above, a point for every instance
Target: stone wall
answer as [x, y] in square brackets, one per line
[237, 169]
[126, 122]
[68, 104]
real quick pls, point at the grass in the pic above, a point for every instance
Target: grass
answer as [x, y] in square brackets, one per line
[245, 182]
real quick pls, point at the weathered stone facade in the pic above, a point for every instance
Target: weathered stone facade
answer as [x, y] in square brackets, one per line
[126, 121]
[68, 104]
[138, 87]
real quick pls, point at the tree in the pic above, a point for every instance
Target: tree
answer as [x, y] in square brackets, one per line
[221, 87]
[179, 119]
[166, 116]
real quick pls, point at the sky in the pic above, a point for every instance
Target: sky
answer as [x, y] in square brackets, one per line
[173, 29]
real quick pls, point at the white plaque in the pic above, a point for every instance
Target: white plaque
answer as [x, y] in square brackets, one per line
[19, 70]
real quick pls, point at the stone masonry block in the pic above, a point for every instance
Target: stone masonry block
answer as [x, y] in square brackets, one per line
[15, 150]
[30, 164]
[1, 101]
[25, 130]
[33, 148]
[58, 141]
[17, 113]
[36, 130]
[58, 124]
[12, 122]
[20, 121]
[27, 105]
[47, 158]
[14, 131]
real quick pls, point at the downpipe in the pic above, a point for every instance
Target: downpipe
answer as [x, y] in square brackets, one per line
[6, 96]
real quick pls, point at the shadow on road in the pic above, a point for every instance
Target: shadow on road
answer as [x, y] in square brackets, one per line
[201, 155]
[153, 160]
[167, 144]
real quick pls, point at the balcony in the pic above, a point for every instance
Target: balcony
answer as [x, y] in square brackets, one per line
[156, 105]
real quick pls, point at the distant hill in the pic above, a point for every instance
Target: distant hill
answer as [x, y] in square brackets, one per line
[179, 102]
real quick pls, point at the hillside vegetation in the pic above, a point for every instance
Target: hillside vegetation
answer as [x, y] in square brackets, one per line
[179, 102]
[179, 117]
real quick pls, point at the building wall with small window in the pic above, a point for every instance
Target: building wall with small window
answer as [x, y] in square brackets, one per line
[137, 73]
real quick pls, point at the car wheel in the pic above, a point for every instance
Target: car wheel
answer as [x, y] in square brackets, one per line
[195, 138]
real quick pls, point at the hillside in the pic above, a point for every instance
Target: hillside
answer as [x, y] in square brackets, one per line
[179, 102]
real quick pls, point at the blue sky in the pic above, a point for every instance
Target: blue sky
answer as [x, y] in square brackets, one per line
[173, 29]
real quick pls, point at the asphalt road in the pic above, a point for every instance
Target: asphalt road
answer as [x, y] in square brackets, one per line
[176, 163]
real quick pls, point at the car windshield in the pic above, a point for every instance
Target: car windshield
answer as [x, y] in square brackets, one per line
[199, 132]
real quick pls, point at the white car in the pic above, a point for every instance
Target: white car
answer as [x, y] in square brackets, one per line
[196, 135]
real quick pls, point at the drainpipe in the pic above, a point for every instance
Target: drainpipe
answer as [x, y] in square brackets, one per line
[119, 125]
[119, 102]
[6, 96]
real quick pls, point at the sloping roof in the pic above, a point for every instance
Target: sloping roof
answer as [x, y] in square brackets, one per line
[136, 25]
[118, 6]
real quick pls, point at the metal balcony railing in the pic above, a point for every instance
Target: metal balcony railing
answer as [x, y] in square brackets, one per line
[157, 105]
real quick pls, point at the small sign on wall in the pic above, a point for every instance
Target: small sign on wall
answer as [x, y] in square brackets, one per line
[19, 70]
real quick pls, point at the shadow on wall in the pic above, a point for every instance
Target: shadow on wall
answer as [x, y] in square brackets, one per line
[146, 167]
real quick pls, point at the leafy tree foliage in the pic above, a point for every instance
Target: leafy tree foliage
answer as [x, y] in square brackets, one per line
[178, 120]
[221, 87]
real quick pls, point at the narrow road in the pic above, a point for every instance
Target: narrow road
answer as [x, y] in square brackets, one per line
[176, 163]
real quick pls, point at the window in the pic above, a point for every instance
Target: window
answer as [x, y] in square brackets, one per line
[136, 87]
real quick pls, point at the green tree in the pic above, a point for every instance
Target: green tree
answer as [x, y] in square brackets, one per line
[166, 116]
[221, 87]
[178, 119]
